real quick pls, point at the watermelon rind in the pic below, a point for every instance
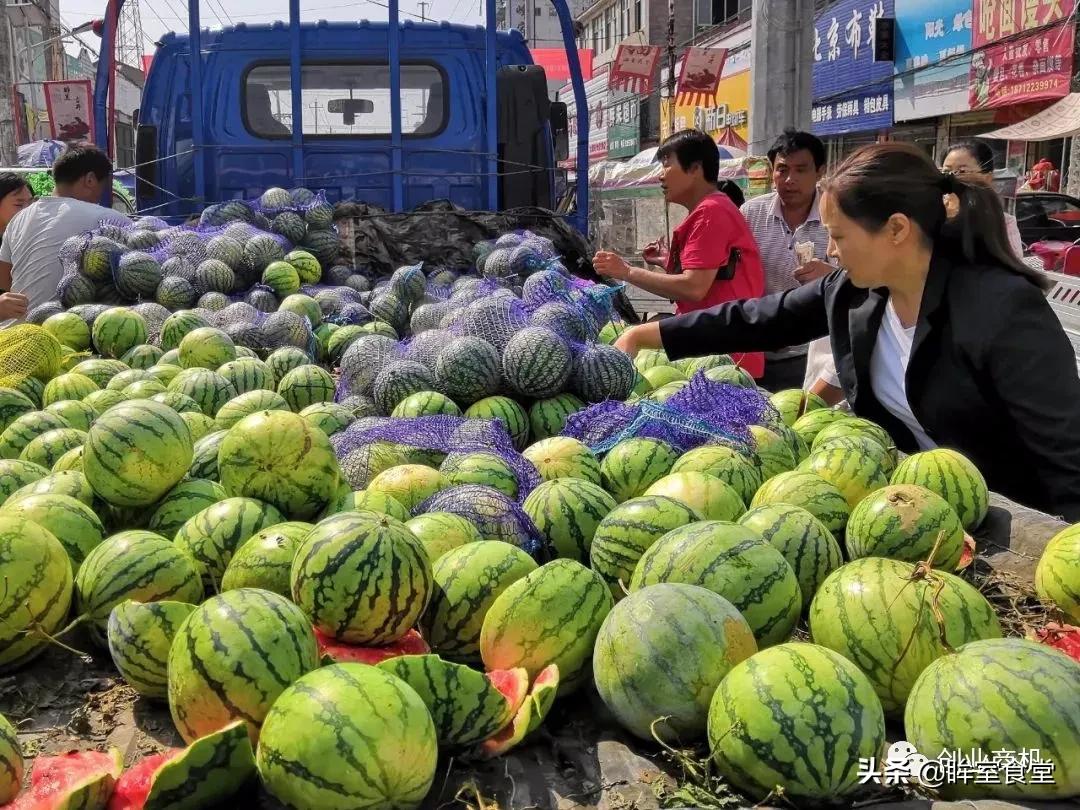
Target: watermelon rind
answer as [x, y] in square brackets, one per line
[211, 769]
[11, 762]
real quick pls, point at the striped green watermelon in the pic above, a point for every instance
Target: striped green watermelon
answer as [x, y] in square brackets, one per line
[139, 636]
[807, 545]
[810, 491]
[1009, 695]
[71, 482]
[212, 536]
[77, 414]
[513, 417]
[772, 454]
[408, 484]
[398, 380]
[1057, 575]
[100, 369]
[15, 474]
[537, 362]
[809, 425]
[136, 452]
[439, 532]
[69, 329]
[705, 494]
[794, 403]
[468, 369]
[547, 417]
[480, 468]
[856, 426]
[282, 278]
[854, 442]
[204, 458]
[550, 616]
[270, 646]
[953, 477]
[369, 741]
[305, 385]
[181, 403]
[629, 530]
[265, 560]
[467, 580]
[207, 348]
[36, 593]
[425, 403]
[856, 475]
[72, 522]
[67, 386]
[136, 565]
[734, 562]
[892, 622]
[11, 762]
[730, 466]
[367, 501]
[278, 457]
[142, 357]
[247, 374]
[761, 705]
[467, 706]
[183, 502]
[660, 655]
[123, 379]
[25, 429]
[659, 376]
[906, 522]
[648, 358]
[208, 388]
[566, 512]
[634, 465]
[306, 265]
[282, 361]
[117, 330]
[71, 460]
[46, 449]
[529, 717]
[199, 424]
[13, 404]
[101, 401]
[165, 372]
[362, 578]
[562, 457]
[245, 405]
[32, 388]
[144, 389]
[329, 417]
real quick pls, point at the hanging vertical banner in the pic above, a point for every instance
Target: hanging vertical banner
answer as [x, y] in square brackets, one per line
[634, 68]
[68, 104]
[700, 75]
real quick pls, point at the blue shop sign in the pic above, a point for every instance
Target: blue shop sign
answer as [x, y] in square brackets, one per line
[933, 57]
[852, 92]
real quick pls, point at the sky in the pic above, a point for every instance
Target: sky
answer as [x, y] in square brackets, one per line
[159, 16]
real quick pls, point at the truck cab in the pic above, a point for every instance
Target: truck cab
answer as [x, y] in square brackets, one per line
[250, 100]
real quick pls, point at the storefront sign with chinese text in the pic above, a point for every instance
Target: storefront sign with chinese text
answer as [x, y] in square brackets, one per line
[68, 103]
[933, 57]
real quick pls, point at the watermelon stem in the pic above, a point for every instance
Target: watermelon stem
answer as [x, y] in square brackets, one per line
[36, 627]
[71, 626]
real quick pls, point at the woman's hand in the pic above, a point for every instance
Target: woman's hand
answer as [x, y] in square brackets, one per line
[13, 305]
[636, 338]
[611, 265]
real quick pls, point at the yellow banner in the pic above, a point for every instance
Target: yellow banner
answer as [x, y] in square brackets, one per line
[727, 120]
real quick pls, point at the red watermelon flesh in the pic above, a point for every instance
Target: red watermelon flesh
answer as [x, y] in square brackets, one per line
[513, 684]
[412, 643]
[134, 786]
[53, 779]
[528, 716]
[1062, 637]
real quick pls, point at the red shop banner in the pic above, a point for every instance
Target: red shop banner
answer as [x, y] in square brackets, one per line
[1003, 19]
[1030, 68]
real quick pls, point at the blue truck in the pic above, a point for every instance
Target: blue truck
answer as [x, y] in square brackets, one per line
[394, 114]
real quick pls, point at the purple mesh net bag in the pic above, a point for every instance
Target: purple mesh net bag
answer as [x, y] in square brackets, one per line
[493, 513]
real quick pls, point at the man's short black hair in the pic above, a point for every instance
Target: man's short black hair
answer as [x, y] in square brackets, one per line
[79, 160]
[793, 141]
[692, 146]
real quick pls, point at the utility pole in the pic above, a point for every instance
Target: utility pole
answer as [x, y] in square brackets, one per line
[781, 64]
[423, 9]
[8, 146]
[671, 59]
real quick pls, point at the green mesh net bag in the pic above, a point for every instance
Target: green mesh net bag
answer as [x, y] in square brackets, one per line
[27, 350]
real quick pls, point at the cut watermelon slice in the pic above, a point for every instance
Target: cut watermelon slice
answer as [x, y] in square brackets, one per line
[204, 774]
[528, 717]
[1062, 637]
[513, 684]
[542, 695]
[332, 651]
[82, 779]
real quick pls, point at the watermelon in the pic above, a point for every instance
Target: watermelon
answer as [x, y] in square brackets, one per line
[634, 465]
[165, 372]
[69, 329]
[468, 369]
[32, 388]
[15, 474]
[795, 403]
[550, 616]
[809, 491]
[181, 403]
[487, 469]
[361, 559]
[213, 768]
[70, 521]
[212, 536]
[772, 454]
[1018, 695]
[730, 466]
[71, 460]
[71, 483]
[855, 474]
[1057, 575]
[398, 380]
[278, 457]
[137, 565]
[245, 405]
[128, 377]
[763, 701]
[512, 416]
[306, 266]
[67, 386]
[854, 426]
[177, 325]
[101, 401]
[46, 449]
[199, 424]
[247, 374]
[332, 651]
[282, 278]
[117, 330]
[329, 417]
[566, 512]
[206, 348]
[136, 452]
[208, 388]
[265, 559]
[528, 718]
[183, 502]
[144, 389]
[467, 706]
[175, 293]
[734, 562]
[892, 621]
[537, 362]
[660, 655]
[204, 457]
[810, 424]
[367, 501]
[270, 645]
[547, 417]
[13, 404]
[143, 357]
[809, 547]
[11, 762]
[384, 755]
[76, 779]
[439, 532]
[601, 373]
[837, 437]
[425, 403]
[409, 484]
[906, 522]
[953, 477]
[705, 494]
[25, 429]
[139, 636]
[306, 385]
[564, 457]
[37, 590]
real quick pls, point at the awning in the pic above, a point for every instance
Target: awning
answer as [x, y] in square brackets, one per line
[1059, 120]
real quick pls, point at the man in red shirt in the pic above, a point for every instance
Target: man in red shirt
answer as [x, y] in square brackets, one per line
[713, 257]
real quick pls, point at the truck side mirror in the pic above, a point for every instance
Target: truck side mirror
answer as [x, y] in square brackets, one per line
[560, 130]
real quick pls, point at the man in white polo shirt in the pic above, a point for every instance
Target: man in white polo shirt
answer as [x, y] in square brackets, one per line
[791, 237]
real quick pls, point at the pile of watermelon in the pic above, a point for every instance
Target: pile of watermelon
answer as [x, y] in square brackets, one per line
[325, 618]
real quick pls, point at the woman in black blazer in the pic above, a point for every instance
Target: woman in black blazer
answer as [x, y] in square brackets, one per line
[939, 333]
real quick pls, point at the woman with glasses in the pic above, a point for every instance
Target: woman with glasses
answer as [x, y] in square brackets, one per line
[974, 161]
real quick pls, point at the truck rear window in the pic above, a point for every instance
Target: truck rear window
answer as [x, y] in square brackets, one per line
[344, 100]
